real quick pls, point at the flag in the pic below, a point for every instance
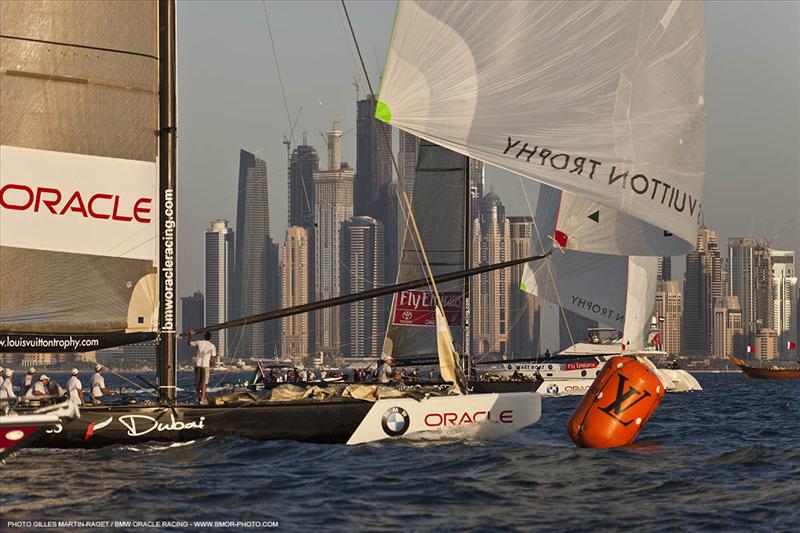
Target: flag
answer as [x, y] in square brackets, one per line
[791, 345]
[561, 238]
[750, 349]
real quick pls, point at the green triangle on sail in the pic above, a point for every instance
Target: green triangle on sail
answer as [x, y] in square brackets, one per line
[595, 216]
[522, 286]
[383, 113]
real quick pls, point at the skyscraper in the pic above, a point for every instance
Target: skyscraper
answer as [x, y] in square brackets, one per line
[362, 269]
[256, 257]
[303, 163]
[333, 194]
[373, 159]
[192, 317]
[784, 302]
[664, 272]
[750, 279]
[407, 162]
[522, 330]
[669, 312]
[476, 186]
[295, 290]
[702, 284]
[490, 290]
[220, 281]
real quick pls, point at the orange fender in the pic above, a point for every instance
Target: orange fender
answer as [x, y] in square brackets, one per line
[615, 409]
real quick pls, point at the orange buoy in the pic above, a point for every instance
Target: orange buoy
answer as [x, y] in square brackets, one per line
[615, 409]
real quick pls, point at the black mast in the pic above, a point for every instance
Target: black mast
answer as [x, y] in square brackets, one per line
[467, 342]
[167, 356]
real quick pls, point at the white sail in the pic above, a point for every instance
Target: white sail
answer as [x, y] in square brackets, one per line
[79, 202]
[448, 357]
[603, 100]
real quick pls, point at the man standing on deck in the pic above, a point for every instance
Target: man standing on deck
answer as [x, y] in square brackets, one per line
[385, 370]
[28, 383]
[206, 351]
[75, 388]
[98, 386]
[7, 387]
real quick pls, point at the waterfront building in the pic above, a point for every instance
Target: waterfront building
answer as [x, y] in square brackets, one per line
[784, 300]
[728, 336]
[219, 300]
[490, 290]
[257, 276]
[295, 290]
[362, 270]
[669, 313]
[333, 194]
[703, 283]
[766, 344]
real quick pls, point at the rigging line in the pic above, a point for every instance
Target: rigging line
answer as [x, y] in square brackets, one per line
[400, 178]
[277, 67]
[547, 263]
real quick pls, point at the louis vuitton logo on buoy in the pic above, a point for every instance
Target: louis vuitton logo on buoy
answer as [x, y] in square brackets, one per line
[615, 408]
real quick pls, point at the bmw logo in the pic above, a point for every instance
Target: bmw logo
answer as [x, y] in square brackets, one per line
[395, 421]
[552, 388]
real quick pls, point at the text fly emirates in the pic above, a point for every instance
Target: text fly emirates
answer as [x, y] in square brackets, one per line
[19, 197]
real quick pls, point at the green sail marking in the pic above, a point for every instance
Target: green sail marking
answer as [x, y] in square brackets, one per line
[383, 113]
[522, 286]
[595, 216]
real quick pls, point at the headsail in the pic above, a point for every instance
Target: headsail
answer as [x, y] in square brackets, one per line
[616, 290]
[79, 203]
[603, 100]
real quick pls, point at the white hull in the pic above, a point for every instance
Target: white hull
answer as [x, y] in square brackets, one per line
[449, 418]
[575, 378]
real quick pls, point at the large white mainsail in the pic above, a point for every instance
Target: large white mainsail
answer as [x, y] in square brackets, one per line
[603, 101]
[79, 203]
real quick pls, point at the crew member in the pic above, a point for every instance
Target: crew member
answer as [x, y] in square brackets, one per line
[54, 390]
[75, 388]
[39, 388]
[206, 351]
[7, 387]
[98, 386]
[28, 383]
[385, 371]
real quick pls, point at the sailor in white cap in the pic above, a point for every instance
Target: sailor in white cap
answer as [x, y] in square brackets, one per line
[28, 383]
[75, 389]
[7, 388]
[385, 370]
[39, 388]
[98, 386]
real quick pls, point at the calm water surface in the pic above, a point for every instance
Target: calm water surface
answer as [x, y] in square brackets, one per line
[725, 459]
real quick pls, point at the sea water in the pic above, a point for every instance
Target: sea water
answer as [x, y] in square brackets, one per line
[725, 459]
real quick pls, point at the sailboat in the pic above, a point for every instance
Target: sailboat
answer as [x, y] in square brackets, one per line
[775, 372]
[99, 161]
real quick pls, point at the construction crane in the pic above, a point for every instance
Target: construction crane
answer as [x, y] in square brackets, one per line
[767, 242]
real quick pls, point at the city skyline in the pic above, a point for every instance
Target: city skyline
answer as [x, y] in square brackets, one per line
[250, 112]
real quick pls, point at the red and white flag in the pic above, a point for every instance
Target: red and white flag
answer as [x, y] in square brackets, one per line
[791, 345]
[750, 349]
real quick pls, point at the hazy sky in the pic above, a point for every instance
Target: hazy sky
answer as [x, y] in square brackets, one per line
[230, 98]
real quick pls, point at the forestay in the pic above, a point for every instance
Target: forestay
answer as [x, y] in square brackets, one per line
[603, 100]
[78, 170]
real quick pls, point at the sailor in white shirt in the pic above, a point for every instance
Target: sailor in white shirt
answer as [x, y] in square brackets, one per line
[75, 388]
[206, 355]
[39, 388]
[7, 387]
[385, 371]
[98, 386]
[27, 385]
